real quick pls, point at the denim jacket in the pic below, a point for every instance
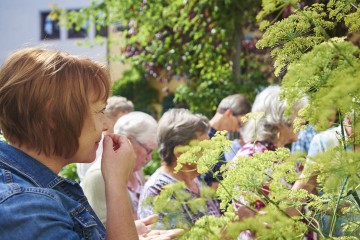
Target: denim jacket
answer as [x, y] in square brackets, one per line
[35, 203]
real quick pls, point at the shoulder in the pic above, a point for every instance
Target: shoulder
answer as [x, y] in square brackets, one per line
[35, 209]
[324, 141]
[93, 177]
[93, 186]
[156, 182]
[247, 150]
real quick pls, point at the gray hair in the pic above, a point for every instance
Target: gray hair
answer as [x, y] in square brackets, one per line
[178, 127]
[238, 104]
[265, 128]
[140, 125]
[116, 104]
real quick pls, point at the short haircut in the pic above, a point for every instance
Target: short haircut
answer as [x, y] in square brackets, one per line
[140, 125]
[45, 98]
[265, 128]
[237, 103]
[117, 104]
[178, 126]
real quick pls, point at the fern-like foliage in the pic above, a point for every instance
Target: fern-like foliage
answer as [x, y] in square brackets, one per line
[328, 76]
[291, 37]
[267, 177]
[177, 207]
[205, 154]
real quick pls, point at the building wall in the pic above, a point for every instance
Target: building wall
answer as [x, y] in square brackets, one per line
[20, 26]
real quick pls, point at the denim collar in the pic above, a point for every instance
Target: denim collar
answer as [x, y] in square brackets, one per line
[33, 170]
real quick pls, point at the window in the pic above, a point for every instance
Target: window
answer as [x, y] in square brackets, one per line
[101, 28]
[49, 28]
[103, 31]
[78, 32]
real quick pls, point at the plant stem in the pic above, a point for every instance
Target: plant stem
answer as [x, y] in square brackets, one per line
[356, 197]
[314, 227]
[284, 212]
[231, 197]
[333, 218]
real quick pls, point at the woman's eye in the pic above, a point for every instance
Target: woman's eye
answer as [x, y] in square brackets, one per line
[102, 111]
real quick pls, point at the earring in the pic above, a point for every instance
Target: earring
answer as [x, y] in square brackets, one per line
[278, 135]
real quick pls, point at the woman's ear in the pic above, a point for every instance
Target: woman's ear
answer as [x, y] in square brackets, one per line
[228, 112]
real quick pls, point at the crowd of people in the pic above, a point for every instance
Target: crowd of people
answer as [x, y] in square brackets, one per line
[56, 109]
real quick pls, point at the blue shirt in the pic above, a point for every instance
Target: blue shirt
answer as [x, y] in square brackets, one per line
[304, 139]
[35, 203]
[235, 147]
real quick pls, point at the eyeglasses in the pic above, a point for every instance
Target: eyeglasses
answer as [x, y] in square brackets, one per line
[148, 151]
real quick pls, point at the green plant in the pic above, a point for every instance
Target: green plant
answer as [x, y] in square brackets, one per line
[135, 87]
[2, 137]
[205, 43]
[153, 164]
[69, 172]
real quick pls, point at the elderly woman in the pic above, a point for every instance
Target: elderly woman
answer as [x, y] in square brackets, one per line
[270, 130]
[177, 127]
[116, 107]
[140, 128]
[273, 129]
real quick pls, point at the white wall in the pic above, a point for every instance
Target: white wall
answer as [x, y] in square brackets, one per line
[20, 26]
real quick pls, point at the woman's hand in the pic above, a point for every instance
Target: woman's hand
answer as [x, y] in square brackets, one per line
[118, 159]
[145, 233]
[117, 164]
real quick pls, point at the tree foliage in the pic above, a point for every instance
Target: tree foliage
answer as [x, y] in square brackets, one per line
[199, 41]
[134, 86]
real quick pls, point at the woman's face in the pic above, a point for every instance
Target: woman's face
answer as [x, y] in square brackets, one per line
[143, 153]
[286, 133]
[94, 125]
[199, 136]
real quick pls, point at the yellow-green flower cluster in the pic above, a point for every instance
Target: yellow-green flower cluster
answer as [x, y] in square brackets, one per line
[205, 154]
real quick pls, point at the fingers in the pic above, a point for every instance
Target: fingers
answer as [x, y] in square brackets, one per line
[174, 232]
[117, 141]
[118, 158]
[150, 219]
[162, 234]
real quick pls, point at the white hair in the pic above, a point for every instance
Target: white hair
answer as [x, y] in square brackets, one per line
[116, 104]
[140, 125]
[265, 128]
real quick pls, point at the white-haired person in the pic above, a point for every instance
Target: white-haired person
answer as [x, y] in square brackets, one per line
[116, 106]
[177, 127]
[272, 129]
[140, 128]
